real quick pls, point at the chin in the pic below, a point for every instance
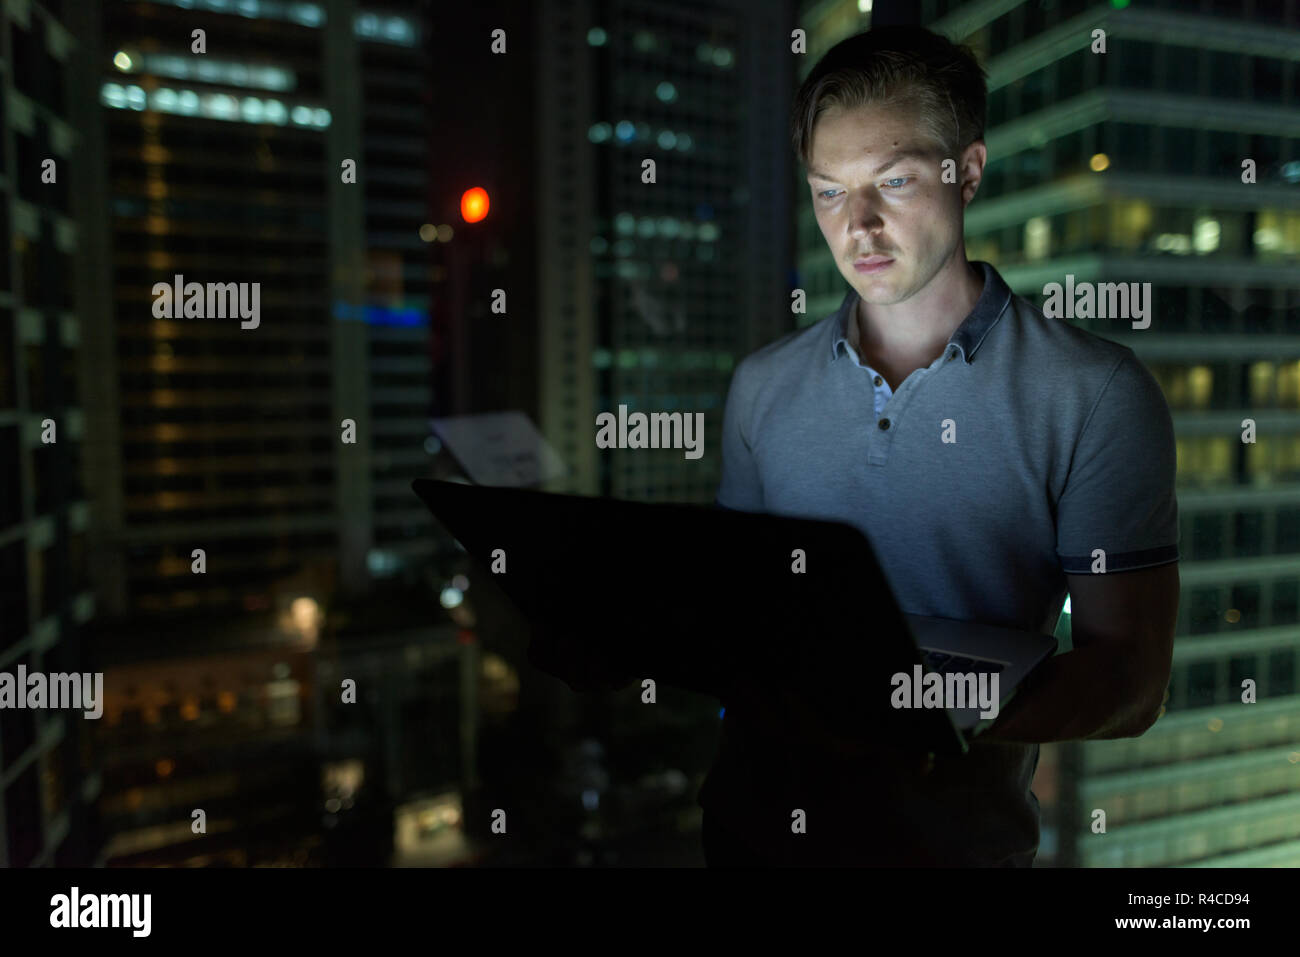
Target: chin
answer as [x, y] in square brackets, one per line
[882, 292]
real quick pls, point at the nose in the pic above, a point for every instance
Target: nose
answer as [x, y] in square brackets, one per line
[865, 220]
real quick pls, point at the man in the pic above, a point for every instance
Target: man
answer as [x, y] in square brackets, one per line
[995, 458]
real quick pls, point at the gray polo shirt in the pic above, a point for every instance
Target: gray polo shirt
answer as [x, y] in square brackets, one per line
[1023, 448]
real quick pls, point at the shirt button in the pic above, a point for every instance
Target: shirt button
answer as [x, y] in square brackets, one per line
[884, 424]
[879, 380]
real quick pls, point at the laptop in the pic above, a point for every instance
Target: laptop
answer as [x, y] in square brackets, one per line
[695, 595]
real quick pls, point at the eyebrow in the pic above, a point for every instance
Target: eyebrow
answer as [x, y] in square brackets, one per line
[912, 153]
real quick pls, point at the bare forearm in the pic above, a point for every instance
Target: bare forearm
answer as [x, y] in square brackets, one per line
[1079, 695]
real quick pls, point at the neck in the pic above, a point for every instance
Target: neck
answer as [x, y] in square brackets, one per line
[925, 322]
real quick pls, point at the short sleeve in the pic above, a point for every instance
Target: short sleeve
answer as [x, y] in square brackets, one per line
[1119, 495]
[740, 487]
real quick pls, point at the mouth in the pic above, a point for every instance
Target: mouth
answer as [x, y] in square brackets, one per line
[872, 263]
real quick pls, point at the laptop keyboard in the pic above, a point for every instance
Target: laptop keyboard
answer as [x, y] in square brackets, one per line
[944, 663]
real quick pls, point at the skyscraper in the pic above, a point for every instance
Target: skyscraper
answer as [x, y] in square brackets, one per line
[45, 594]
[275, 146]
[651, 291]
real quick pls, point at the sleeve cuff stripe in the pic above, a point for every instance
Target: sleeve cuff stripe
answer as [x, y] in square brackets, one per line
[1121, 561]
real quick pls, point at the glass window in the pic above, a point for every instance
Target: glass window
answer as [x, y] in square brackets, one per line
[1076, 238]
[1130, 225]
[1130, 146]
[1203, 613]
[1000, 34]
[1266, 80]
[1227, 232]
[994, 182]
[1181, 68]
[1207, 538]
[1096, 228]
[1225, 152]
[1068, 154]
[1136, 63]
[1281, 672]
[1172, 307]
[997, 107]
[1287, 530]
[1246, 604]
[1215, 314]
[1286, 602]
[1225, 75]
[1179, 151]
[1201, 684]
[1288, 384]
[1033, 91]
[1070, 75]
[1266, 151]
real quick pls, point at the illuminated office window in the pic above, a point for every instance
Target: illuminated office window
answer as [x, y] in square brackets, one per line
[1175, 388]
[384, 29]
[225, 72]
[1288, 385]
[1287, 462]
[1259, 461]
[1205, 459]
[1262, 380]
[1130, 224]
[1038, 238]
[216, 106]
[1277, 234]
[1205, 235]
[1200, 385]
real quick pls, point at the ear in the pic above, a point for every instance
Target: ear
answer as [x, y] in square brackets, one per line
[972, 170]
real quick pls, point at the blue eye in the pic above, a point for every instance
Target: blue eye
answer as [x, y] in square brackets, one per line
[823, 193]
[900, 182]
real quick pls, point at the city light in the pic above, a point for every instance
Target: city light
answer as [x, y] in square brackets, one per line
[225, 72]
[213, 106]
[1099, 162]
[474, 204]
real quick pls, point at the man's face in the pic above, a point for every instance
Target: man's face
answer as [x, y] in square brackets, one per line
[877, 189]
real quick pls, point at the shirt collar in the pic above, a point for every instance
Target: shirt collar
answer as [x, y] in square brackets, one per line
[967, 337]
